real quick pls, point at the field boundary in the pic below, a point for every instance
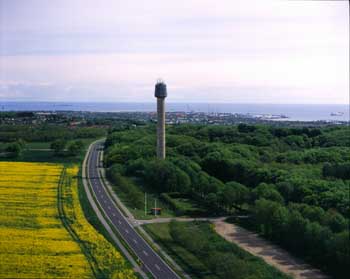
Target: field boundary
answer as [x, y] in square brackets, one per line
[66, 223]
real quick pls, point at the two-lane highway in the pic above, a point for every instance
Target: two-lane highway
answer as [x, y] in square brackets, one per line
[151, 261]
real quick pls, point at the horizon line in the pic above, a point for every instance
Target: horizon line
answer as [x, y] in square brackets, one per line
[171, 102]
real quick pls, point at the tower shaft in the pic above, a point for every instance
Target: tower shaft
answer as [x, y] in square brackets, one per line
[160, 128]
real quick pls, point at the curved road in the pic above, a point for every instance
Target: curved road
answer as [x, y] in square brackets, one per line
[151, 261]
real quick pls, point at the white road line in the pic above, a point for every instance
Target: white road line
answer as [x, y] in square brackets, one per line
[109, 207]
[145, 252]
[134, 240]
[126, 231]
[119, 222]
[157, 266]
[113, 214]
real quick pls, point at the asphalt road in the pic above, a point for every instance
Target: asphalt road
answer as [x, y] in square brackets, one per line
[151, 261]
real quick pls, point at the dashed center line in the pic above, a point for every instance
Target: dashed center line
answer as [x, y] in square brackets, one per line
[103, 196]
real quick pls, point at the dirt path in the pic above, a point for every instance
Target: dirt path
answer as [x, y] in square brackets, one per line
[272, 254]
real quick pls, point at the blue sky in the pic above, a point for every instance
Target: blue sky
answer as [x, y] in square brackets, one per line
[206, 51]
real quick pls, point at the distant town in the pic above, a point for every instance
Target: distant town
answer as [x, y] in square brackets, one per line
[75, 118]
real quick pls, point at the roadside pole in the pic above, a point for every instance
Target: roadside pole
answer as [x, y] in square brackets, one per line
[155, 207]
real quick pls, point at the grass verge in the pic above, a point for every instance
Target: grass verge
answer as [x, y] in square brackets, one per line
[202, 253]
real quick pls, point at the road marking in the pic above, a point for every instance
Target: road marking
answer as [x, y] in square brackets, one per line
[157, 266]
[113, 214]
[145, 252]
[109, 207]
[105, 201]
[134, 240]
[126, 231]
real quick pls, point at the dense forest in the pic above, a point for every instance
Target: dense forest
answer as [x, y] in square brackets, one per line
[292, 183]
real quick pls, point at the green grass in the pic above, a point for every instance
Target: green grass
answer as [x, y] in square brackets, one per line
[192, 208]
[30, 155]
[188, 261]
[139, 213]
[38, 145]
[200, 265]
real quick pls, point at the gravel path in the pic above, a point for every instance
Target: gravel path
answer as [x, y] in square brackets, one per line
[271, 254]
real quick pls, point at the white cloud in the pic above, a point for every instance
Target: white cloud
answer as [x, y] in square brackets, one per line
[278, 51]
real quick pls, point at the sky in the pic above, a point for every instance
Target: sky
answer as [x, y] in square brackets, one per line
[227, 51]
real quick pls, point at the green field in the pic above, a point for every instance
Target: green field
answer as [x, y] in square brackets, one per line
[41, 152]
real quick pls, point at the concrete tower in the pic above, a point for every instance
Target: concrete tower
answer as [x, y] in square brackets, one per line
[160, 93]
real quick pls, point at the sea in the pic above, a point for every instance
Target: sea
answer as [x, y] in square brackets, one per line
[294, 112]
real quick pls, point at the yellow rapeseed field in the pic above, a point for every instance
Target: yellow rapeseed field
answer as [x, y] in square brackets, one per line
[34, 243]
[106, 261]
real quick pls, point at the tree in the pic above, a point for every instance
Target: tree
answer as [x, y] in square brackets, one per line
[244, 128]
[286, 189]
[234, 194]
[296, 230]
[263, 211]
[164, 176]
[337, 170]
[15, 149]
[279, 223]
[335, 221]
[211, 201]
[267, 191]
[58, 146]
[75, 148]
[340, 249]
